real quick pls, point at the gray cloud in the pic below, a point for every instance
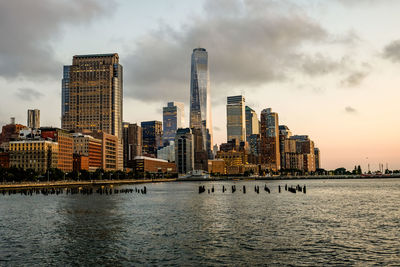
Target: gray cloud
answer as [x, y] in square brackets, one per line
[249, 43]
[320, 65]
[354, 79]
[392, 51]
[28, 94]
[350, 109]
[27, 28]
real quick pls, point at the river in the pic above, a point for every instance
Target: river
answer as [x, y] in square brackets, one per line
[337, 222]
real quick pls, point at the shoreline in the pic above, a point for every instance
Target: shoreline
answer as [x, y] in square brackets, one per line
[58, 184]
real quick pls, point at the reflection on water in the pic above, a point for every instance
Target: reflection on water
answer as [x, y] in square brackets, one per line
[336, 222]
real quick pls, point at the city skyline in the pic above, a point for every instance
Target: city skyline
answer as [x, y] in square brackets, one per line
[328, 95]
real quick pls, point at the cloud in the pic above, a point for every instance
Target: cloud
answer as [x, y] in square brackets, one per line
[319, 65]
[354, 79]
[350, 109]
[250, 43]
[28, 94]
[365, 2]
[392, 51]
[27, 28]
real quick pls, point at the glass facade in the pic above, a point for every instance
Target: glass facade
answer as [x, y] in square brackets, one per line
[200, 106]
[252, 122]
[173, 119]
[152, 137]
[236, 118]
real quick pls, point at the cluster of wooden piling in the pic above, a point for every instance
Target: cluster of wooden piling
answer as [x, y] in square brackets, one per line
[103, 190]
[292, 189]
[295, 189]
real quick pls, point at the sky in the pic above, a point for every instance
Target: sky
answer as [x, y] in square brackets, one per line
[329, 68]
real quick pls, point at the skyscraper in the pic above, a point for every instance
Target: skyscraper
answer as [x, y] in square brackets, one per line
[92, 94]
[317, 154]
[284, 135]
[270, 155]
[252, 122]
[133, 143]
[173, 115]
[33, 118]
[152, 137]
[184, 150]
[236, 118]
[200, 105]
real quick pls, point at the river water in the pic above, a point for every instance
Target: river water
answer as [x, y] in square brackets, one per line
[338, 222]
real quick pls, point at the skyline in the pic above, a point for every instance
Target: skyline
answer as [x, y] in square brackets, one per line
[349, 119]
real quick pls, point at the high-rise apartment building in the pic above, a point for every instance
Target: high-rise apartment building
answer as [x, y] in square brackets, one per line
[284, 134]
[236, 118]
[317, 155]
[92, 94]
[173, 119]
[200, 104]
[184, 151]
[33, 118]
[252, 122]
[152, 137]
[133, 143]
[269, 148]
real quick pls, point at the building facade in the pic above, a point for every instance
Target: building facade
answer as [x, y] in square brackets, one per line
[269, 148]
[236, 118]
[200, 104]
[65, 146]
[33, 118]
[133, 143]
[152, 165]
[317, 158]
[152, 137]
[167, 152]
[252, 122]
[89, 147]
[110, 147]
[184, 151]
[39, 155]
[173, 119]
[92, 90]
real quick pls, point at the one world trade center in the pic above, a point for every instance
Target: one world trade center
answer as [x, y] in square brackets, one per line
[200, 105]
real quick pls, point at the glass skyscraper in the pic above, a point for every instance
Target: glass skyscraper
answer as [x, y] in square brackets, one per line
[173, 115]
[200, 105]
[252, 122]
[152, 137]
[236, 118]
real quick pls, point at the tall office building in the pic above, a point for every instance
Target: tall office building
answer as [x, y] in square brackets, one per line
[236, 118]
[92, 94]
[132, 142]
[152, 137]
[252, 122]
[184, 150]
[173, 119]
[284, 135]
[270, 155]
[33, 118]
[200, 104]
[317, 155]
